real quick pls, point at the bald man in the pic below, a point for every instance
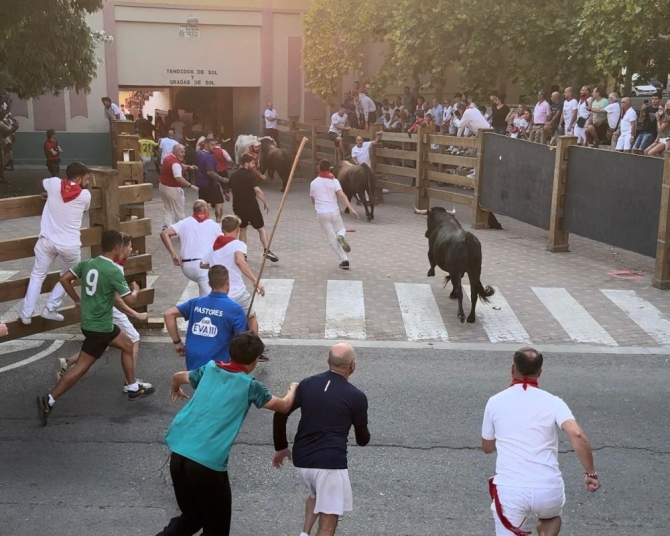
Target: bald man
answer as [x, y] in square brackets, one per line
[197, 235]
[329, 407]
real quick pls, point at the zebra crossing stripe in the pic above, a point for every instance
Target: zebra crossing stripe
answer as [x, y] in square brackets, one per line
[6, 275]
[420, 313]
[151, 279]
[345, 310]
[573, 318]
[643, 313]
[271, 308]
[498, 319]
[192, 290]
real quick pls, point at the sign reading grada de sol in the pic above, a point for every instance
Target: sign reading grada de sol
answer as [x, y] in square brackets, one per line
[192, 77]
[189, 30]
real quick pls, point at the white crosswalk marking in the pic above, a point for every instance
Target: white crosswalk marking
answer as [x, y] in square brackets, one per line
[6, 275]
[18, 345]
[643, 313]
[192, 290]
[420, 313]
[573, 318]
[498, 319]
[271, 308]
[151, 279]
[345, 310]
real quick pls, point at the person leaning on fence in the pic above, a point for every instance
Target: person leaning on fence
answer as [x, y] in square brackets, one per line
[59, 238]
[338, 124]
[661, 143]
[520, 424]
[541, 114]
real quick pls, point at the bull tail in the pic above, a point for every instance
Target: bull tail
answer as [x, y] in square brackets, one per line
[475, 256]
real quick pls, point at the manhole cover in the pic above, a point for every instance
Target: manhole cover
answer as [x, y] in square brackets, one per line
[626, 274]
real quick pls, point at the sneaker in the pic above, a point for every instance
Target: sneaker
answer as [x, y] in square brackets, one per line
[143, 391]
[471, 175]
[60, 367]
[26, 320]
[271, 256]
[52, 315]
[141, 382]
[344, 265]
[343, 243]
[263, 358]
[226, 197]
[43, 409]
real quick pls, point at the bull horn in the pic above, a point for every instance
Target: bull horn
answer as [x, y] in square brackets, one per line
[417, 211]
[452, 211]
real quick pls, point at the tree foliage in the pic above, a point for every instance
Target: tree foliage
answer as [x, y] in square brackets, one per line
[47, 46]
[536, 43]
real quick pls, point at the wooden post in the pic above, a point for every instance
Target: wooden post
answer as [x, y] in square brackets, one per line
[559, 239]
[661, 278]
[421, 200]
[293, 133]
[107, 181]
[315, 159]
[480, 217]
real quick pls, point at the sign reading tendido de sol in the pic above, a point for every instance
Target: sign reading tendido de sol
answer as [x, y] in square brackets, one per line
[192, 77]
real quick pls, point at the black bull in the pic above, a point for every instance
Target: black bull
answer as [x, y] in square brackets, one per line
[357, 179]
[274, 159]
[457, 252]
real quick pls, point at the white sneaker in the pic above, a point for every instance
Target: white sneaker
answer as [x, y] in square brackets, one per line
[52, 315]
[141, 382]
[60, 368]
[26, 320]
[471, 175]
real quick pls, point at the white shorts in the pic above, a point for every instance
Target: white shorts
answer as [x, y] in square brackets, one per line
[519, 503]
[331, 487]
[624, 143]
[244, 301]
[121, 320]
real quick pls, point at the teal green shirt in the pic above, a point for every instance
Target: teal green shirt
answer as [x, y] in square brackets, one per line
[205, 429]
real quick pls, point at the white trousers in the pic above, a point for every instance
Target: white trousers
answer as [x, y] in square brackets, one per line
[45, 254]
[580, 132]
[518, 503]
[193, 272]
[173, 204]
[331, 223]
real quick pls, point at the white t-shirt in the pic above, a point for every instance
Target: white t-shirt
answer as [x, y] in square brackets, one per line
[178, 127]
[324, 192]
[269, 122]
[582, 110]
[473, 120]
[446, 114]
[336, 121]
[226, 257]
[61, 221]
[362, 154]
[524, 426]
[569, 106]
[166, 145]
[613, 114]
[626, 120]
[196, 238]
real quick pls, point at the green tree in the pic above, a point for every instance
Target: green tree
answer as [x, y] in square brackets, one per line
[47, 46]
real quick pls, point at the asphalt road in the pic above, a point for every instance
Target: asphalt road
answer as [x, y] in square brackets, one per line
[99, 467]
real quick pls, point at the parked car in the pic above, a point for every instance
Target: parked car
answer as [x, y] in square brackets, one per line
[656, 84]
[641, 87]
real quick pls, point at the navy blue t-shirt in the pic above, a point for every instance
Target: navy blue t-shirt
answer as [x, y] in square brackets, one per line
[329, 407]
[205, 161]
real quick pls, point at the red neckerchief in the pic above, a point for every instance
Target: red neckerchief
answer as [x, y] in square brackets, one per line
[69, 190]
[122, 262]
[222, 241]
[231, 366]
[326, 175]
[525, 382]
[201, 217]
[583, 99]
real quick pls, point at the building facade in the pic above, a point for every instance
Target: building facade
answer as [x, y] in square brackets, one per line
[222, 60]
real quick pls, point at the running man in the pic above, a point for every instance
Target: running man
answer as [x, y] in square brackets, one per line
[324, 191]
[203, 432]
[329, 407]
[208, 180]
[121, 315]
[245, 205]
[213, 322]
[59, 238]
[101, 283]
[231, 252]
[196, 234]
[171, 185]
[520, 423]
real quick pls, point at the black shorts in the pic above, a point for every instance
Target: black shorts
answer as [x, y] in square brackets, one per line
[212, 194]
[250, 215]
[332, 136]
[96, 343]
[601, 130]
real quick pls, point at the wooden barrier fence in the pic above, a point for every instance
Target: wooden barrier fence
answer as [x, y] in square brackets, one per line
[114, 205]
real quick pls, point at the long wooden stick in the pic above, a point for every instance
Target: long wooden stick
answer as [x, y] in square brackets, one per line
[274, 228]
